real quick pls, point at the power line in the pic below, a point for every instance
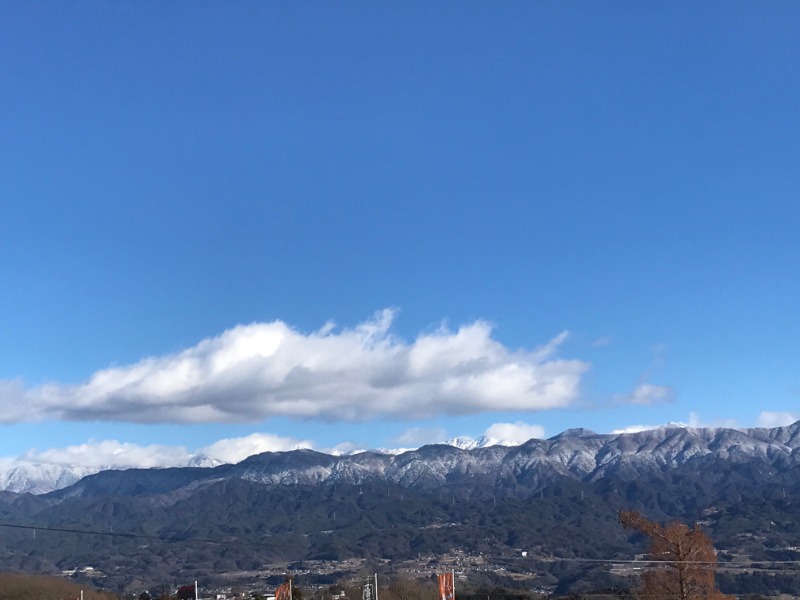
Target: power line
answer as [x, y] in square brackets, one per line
[651, 561]
[728, 565]
[110, 533]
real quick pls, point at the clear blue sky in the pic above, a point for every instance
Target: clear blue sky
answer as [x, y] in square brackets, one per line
[626, 172]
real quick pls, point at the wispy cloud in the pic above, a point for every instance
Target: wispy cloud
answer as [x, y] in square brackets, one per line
[646, 394]
[253, 372]
[777, 419]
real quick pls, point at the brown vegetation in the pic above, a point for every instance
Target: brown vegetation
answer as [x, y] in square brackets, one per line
[686, 560]
[15, 586]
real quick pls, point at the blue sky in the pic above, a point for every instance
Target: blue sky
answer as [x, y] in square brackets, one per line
[388, 224]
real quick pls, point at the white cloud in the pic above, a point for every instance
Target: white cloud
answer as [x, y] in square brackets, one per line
[253, 372]
[646, 394]
[109, 454]
[234, 450]
[777, 419]
[112, 454]
[517, 432]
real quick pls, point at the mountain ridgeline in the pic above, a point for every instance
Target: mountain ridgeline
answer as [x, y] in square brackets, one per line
[522, 470]
[555, 498]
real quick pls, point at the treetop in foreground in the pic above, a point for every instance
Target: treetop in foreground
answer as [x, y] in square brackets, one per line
[684, 560]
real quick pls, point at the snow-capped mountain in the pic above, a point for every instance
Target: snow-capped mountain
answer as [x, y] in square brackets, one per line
[578, 454]
[23, 476]
[462, 442]
[204, 461]
[468, 443]
[562, 492]
[38, 478]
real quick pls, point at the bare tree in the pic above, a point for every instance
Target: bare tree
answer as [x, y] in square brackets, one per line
[686, 560]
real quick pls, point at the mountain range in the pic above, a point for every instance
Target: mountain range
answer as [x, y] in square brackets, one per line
[37, 477]
[577, 454]
[554, 498]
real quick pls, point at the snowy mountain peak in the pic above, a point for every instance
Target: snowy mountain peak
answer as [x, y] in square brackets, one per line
[467, 443]
[204, 461]
[38, 478]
